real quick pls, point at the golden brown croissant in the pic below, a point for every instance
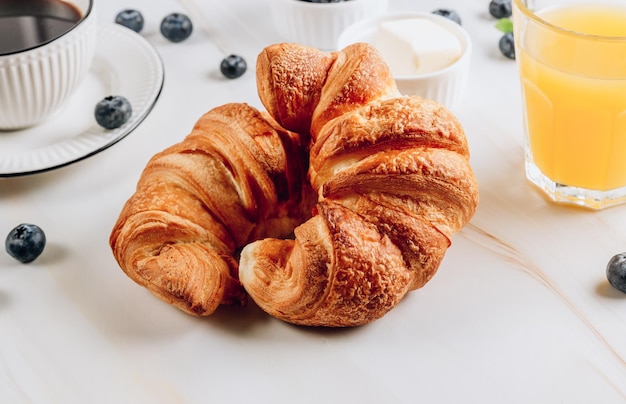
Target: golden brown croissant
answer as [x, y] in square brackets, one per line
[393, 180]
[235, 178]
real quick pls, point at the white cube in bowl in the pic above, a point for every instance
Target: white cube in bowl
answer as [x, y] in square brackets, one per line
[429, 55]
[320, 24]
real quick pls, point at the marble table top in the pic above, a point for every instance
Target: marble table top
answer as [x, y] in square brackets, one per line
[519, 312]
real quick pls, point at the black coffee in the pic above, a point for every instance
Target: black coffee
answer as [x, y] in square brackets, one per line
[26, 24]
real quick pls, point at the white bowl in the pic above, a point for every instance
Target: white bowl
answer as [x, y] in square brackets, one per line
[36, 82]
[320, 24]
[445, 86]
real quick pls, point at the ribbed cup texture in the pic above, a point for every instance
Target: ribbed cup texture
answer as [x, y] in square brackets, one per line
[34, 84]
[320, 24]
[446, 87]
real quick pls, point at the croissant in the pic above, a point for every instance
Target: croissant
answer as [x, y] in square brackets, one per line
[393, 182]
[236, 177]
[369, 186]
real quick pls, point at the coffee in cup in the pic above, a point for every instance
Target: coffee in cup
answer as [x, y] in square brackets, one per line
[46, 49]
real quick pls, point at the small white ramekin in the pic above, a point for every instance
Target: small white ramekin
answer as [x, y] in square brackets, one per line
[36, 82]
[320, 24]
[445, 86]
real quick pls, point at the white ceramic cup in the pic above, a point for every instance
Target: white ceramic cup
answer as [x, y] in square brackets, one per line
[320, 24]
[36, 82]
[445, 86]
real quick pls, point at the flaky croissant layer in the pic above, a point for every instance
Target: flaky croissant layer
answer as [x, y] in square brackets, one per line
[235, 178]
[371, 184]
[393, 180]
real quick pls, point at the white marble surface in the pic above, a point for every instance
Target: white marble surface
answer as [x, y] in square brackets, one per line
[519, 312]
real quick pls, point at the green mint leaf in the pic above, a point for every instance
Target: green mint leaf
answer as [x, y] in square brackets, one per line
[505, 25]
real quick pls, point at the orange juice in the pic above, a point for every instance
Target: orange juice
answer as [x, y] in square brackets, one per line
[575, 94]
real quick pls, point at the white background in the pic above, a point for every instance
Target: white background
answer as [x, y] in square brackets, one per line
[519, 312]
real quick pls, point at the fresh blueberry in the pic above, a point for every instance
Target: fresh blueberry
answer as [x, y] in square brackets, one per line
[507, 45]
[500, 8]
[233, 66]
[113, 111]
[130, 19]
[450, 14]
[176, 27]
[324, 1]
[25, 242]
[616, 272]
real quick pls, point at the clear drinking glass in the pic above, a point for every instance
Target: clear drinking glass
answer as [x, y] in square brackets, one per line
[572, 63]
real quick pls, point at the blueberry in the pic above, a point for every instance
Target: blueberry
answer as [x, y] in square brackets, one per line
[324, 1]
[449, 14]
[233, 66]
[176, 27]
[130, 19]
[25, 242]
[500, 8]
[113, 111]
[616, 272]
[507, 45]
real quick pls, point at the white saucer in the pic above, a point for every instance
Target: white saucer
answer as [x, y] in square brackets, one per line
[126, 64]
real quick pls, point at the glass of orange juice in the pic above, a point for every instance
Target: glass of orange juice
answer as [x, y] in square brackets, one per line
[572, 62]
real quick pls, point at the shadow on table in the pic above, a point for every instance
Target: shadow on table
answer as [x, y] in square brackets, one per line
[604, 289]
